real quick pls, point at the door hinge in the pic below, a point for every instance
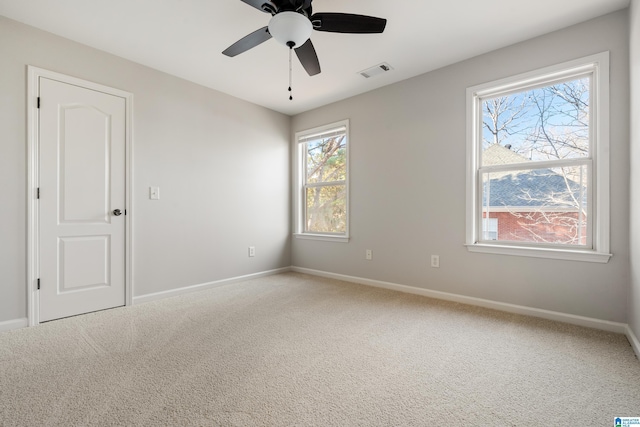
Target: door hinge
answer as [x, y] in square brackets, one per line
[38, 284]
[38, 193]
[38, 102]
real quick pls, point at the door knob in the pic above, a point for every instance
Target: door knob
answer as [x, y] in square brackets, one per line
[117, 212]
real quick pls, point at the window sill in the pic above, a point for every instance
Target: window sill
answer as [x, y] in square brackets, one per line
[322, 237]
[561, 254]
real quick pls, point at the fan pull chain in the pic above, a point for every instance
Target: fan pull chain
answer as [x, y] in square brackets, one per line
[290, 73]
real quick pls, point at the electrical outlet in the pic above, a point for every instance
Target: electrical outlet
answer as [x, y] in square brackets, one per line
[154, 193]
[369, 254]
[435, 261]
[252, 251]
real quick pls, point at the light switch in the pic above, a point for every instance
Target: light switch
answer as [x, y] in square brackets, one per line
[154, 193]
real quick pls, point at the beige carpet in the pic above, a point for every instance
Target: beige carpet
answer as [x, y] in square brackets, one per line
[298, 350]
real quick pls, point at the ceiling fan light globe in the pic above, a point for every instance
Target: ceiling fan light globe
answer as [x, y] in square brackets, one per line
[287, 27]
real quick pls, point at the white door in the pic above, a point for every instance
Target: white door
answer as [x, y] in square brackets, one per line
[82, 200]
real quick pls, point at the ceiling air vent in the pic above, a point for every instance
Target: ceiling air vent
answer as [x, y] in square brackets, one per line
[374, 71]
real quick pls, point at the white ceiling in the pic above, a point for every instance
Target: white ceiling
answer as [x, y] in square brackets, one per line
[185, 38]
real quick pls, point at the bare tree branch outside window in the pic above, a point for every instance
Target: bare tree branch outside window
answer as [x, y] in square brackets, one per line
[325, 192]
[547, 124]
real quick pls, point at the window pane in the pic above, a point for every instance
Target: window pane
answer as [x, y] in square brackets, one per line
[547, 123]
[326, 209]
[490, 228]
[537, 205]
[327, 159]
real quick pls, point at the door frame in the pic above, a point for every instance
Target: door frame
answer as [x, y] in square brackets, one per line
[33, 168]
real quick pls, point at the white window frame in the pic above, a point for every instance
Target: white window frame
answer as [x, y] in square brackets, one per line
[597, 67]
[299, 205]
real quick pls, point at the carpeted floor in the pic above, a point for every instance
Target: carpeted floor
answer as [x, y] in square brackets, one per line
[298, 350]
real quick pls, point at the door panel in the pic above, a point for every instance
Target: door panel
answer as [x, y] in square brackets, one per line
[83, 263]
[85, 148]
[82, 181]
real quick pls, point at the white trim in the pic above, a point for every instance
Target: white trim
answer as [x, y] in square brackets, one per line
[141, 299]
[33, 268]
[321, 237]
[601, 178]
[10, 325]
[568, 70]
[588, 322]
[326, 184]
[321, 131]
[508, 209]
[130, 210]
[540, 252]
[33, 302]
[633, 340]
[535, 164]
[598, 66]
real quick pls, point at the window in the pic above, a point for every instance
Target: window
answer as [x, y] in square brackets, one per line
[322, 190]
[538, 163]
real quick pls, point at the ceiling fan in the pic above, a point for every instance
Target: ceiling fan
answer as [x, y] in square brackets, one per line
[291, 24]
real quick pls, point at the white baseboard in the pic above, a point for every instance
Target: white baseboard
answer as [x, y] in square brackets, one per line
[589, 322]
[202, 286]
[634, 341]
[13, 324]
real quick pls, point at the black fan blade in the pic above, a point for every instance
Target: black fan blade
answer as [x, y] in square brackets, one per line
[347, 23]
[308, 58]
[257, 4]
[247, 42]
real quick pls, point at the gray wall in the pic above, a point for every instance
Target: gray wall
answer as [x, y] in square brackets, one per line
[222, 165]
[408, 184]
[634, 297]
